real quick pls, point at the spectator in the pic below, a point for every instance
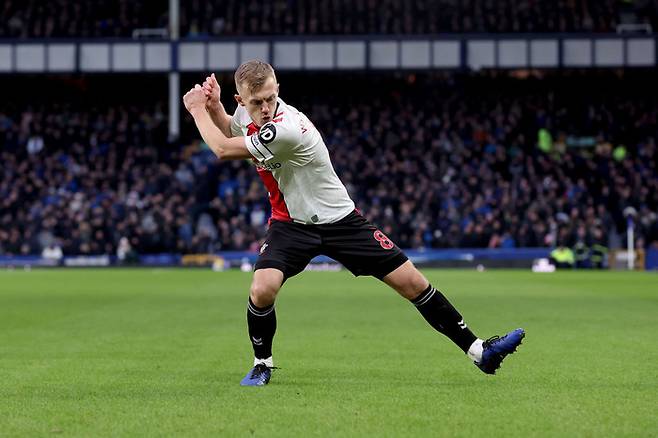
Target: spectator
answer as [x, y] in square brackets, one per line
[125, 253]
[53, 253]
[562, 257]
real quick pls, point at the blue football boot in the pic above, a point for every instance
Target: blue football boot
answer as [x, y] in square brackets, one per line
[495, 349]
[258, 376]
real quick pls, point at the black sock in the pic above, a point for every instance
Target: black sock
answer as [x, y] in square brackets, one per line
[437, 310]
[262, 325]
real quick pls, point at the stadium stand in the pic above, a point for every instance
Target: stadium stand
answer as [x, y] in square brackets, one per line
[340, 17]
[438, 160]
[104, 18]
[79, 19]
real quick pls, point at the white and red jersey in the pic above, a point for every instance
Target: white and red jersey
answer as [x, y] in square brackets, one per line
[293, 162]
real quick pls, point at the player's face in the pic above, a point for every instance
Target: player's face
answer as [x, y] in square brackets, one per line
[260, 104]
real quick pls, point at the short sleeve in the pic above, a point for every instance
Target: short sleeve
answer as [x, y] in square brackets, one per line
[236, 129]
[273, 140]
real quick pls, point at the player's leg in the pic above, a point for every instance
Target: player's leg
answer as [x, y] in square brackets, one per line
[443, 317]
[261, 315]
[434, 306]
[261, 322]
[365, 250]
[288, 248]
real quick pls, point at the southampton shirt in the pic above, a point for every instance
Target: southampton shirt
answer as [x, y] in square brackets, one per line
[293, 162]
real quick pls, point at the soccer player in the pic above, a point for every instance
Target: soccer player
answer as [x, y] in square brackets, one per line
[312, 214]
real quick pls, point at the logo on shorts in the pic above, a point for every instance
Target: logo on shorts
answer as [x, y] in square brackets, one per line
[262, 248]
[384, 241]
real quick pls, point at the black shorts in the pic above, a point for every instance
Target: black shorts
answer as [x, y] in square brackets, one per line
[352, 241]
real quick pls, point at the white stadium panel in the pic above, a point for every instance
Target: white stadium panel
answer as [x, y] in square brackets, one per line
[222, 56]
[641, 52]
[250, 51]
[544, 53]
[609, 52]
[157, 56]
[384, 54]
[481, 54]
[61, 57]
[287, 55]
[94, 57]
[319, 55]
[512, 53]
[577, 53]
[192, 56]
[6, 57]
[415, 54]
[30, 57]
[351, 54]
[446, 54]
[126, 57]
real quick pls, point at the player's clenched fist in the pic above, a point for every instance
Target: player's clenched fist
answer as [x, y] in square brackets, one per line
[195, 98]
[212, 91]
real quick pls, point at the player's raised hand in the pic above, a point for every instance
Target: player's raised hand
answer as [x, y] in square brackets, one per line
[212, 91]
[195, 98]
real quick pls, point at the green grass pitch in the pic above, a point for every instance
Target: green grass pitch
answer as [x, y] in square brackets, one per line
[161, 353]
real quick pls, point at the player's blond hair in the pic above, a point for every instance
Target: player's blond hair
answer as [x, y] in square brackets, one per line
[253, 74]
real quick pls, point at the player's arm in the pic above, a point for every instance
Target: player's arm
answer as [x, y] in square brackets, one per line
[274, 141]
[224, 147]
[214, 106]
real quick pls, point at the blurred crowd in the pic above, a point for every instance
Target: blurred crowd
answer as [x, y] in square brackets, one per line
[340, 17]
[435, 160]
[456, 162]
[118, 18]
[80, 18]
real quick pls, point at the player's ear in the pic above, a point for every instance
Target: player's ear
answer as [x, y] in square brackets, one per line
[238, 99]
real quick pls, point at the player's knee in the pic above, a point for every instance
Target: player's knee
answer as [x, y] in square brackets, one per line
[416, 286]
[407, 280]
[419, 281]
[263, 294]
